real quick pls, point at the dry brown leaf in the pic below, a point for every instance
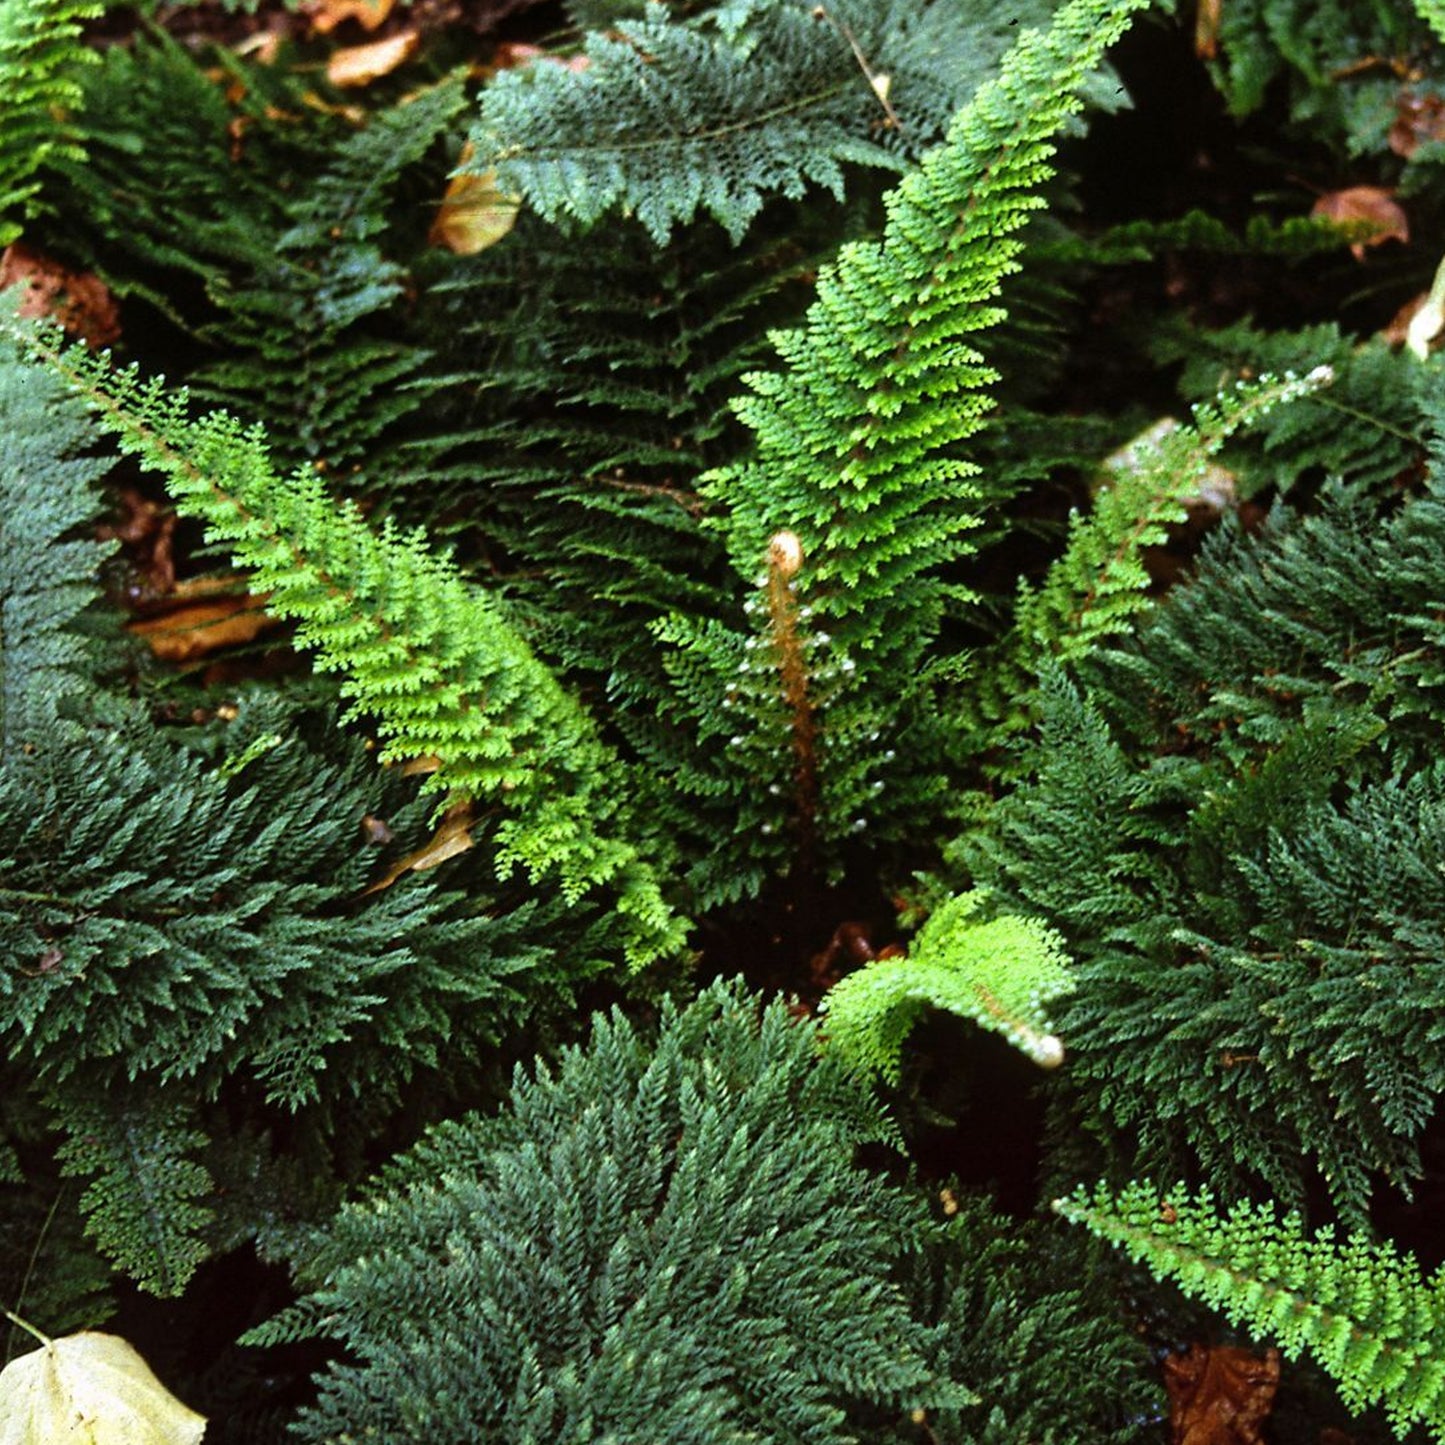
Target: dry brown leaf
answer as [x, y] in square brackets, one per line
[357, 65]
[453, 837]
[1207, 20]
[1219, 1395]
[202, 616]
[1418, 119]
[78, 300]
[1360, 205]
[473, 214]
[148, 531]
[90, 1389]
[326, 15]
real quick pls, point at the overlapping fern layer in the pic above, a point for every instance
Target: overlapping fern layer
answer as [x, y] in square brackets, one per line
[167, 922]
[1236, 829]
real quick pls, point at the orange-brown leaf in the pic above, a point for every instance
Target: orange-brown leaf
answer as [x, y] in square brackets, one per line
[1364, 205]
[201, 619]
[473, 214]
[1219, 1395]
[453, 837]
[326, 15]
[1418, 119]
[78, 300]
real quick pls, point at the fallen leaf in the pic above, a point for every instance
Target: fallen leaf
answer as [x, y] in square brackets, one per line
[453, 837]
[473, 214]
[1219, 1395]
[148, 531]
[202, 616]
[326, 15]
[356, 65]
[1362, 205]
[1418, 120]
[78, 300]
[90, 1389]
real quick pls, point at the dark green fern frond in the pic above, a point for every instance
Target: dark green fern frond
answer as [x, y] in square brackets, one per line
[145, 1185]
[1001, 972]
[664, 1241]
[40, 60]
[716, 113]
[1362, 1309]
[435, 662]
[47, 565]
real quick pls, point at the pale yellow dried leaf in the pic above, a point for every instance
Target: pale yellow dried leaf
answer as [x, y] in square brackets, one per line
[453, 836]
[355, 65]
[90, 1389]
[473, 214]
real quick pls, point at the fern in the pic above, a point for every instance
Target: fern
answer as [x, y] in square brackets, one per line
[434, 661]
[856, 481]
[655, 1240]
[1362, 1309]
[40, 59]
[47, 567]
[673, 117]
[143, 1196]
[1001, 972]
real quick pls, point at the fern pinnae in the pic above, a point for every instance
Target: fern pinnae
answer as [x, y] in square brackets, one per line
[432, 660]
[1362, 1309]
[1001, 972]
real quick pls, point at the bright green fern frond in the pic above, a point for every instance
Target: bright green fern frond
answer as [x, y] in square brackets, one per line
[1362, 1309]
[1000, 972]
[39, 54]
[1098, 586]
[855, 496]
[433, 661]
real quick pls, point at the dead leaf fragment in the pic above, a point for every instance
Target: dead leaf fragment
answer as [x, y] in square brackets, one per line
[326, 15]
[147, 529]
[1364, 205]
[453, 837]
[473, 214]
[78, 300]
[202, 616]
[357, 65]
[1419, 119]
[90, 1389]
[1219, 1395]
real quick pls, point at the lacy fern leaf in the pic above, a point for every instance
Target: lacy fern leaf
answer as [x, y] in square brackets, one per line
[1362, 1309]
[1000, 972]
[433, 661]
[39, 56]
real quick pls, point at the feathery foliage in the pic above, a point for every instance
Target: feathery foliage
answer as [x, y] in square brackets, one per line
[673, 116]
[1001, 972]
[1361, 1308]
[40, 58]
[435, 662]
[664, 1240]
[854, 496]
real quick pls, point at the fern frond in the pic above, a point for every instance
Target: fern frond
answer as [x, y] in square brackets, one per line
[433, 661]
[47, 567]
[143, 1198]
[716, 113]
[1001, 972]
[1362, 1309]
[1097, 587]
[39, 58]
[856, 459]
